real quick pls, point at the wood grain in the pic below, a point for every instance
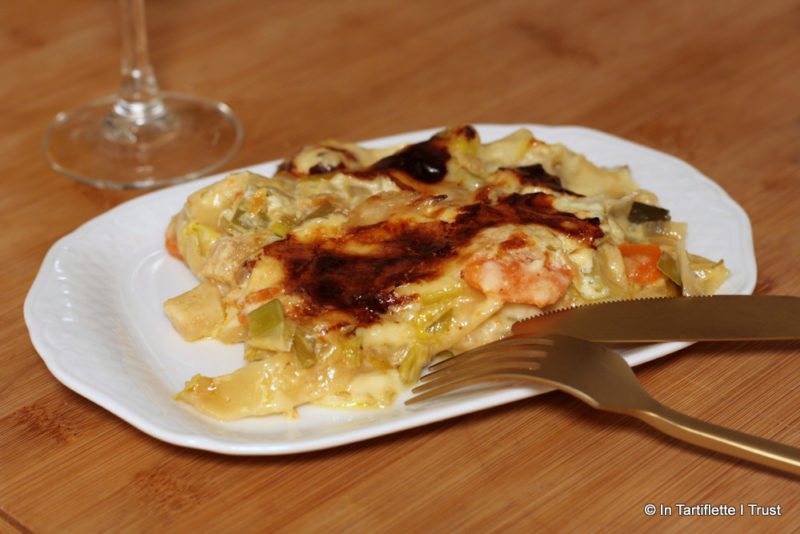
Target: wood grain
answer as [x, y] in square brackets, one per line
[716, 83]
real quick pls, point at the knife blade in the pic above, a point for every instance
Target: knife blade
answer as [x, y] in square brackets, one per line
[710, 318]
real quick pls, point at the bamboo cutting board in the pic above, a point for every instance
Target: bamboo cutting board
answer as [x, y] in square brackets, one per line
[713, 83]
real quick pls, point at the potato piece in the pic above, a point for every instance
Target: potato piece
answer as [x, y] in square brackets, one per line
[231, 330]
[198, 313]
[227, 255]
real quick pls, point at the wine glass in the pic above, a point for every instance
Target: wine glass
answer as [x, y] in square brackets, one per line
[141, 137]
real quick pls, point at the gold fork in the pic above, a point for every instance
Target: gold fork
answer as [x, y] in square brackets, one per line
[603, 379]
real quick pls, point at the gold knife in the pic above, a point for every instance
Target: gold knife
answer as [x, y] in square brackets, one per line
[714, 318]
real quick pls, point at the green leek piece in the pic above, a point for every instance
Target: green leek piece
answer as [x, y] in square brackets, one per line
[641, 212]
[441, 324]
[350, 347]
[414, 360]
[279, 229]
[446, 293]
[710, 274]
[305, 347]
[266, 319]
[322, 211]
[241, 220]
[669, 266]
[269, 328]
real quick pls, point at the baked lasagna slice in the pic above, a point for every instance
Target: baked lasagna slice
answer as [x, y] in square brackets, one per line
[347, 271]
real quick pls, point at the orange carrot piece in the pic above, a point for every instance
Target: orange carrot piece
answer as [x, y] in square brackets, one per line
[641, 262]
[171, 243]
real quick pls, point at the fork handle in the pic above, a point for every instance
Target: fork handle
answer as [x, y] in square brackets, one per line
[759, 450]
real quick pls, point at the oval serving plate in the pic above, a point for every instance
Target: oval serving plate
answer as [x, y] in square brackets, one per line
[94, 310]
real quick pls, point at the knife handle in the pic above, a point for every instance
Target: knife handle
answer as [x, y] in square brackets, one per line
[710, 436]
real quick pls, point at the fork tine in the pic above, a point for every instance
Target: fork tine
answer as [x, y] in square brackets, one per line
[521, 356]
[491, 364]
[482, 351]
[455, 381]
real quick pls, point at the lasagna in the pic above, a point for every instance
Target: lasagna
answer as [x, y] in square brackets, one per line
[345, 272]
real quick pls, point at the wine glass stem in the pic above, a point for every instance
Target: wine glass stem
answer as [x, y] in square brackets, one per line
[139, 99]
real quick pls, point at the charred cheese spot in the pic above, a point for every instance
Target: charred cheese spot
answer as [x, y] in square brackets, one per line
[425, 162]
[421, 164]
[537, 175]
[328, 275]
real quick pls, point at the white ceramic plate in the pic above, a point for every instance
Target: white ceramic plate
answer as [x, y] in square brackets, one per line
[94, 311]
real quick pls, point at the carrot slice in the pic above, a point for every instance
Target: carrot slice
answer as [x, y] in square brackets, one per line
[171, 243]
[641, 262]
[262, 295]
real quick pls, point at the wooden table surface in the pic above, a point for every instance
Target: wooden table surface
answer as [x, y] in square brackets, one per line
[716, 83]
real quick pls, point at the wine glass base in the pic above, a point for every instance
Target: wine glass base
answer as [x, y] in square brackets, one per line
[93, 145]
